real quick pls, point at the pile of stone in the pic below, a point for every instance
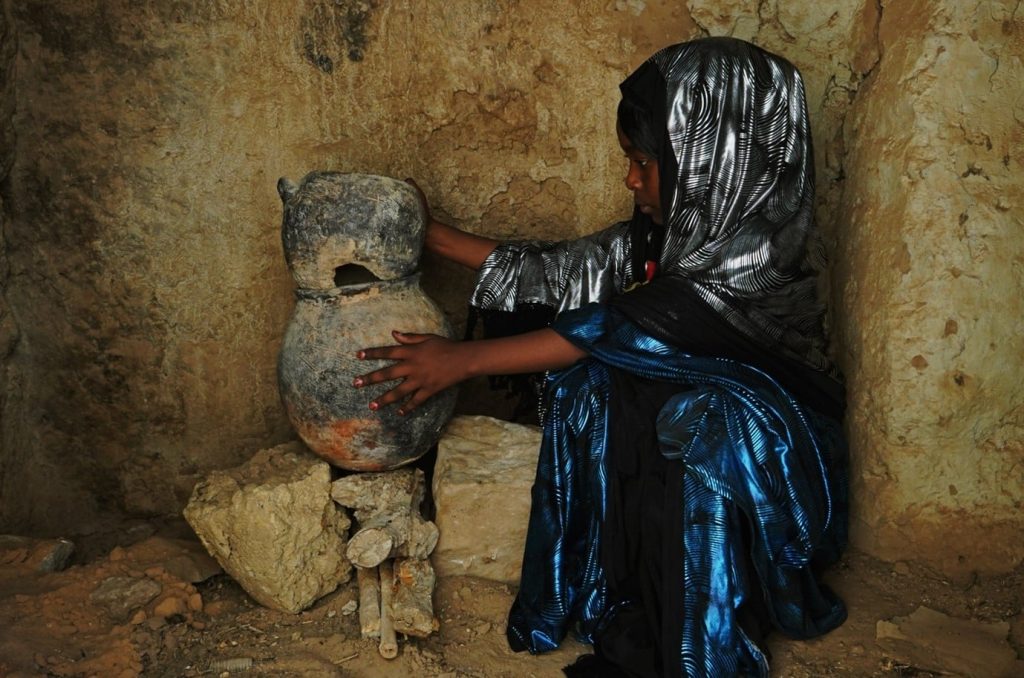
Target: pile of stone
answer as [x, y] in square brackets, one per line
[390, 551]
[281, 527]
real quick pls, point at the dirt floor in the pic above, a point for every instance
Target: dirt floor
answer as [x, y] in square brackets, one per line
[125, 606]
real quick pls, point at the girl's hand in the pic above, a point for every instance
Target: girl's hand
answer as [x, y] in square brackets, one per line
[426, 364]
[451, 243]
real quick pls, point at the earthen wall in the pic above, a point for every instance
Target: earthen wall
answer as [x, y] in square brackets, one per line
[141, 224]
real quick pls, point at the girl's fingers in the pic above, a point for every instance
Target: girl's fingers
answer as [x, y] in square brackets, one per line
[393, 396]
[384, 374]
[393, 352]
[407, 338]
[380, 353]
[418, 398]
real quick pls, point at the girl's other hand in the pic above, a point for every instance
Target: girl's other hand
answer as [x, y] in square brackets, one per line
[425, 363]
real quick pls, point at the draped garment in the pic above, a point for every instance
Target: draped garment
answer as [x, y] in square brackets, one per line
[758, 482]
[692, 467]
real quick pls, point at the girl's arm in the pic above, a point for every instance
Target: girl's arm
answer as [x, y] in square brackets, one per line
[463, 248]
[451, 243]
[427, 363]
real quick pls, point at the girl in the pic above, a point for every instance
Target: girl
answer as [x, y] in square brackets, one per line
[691, 479]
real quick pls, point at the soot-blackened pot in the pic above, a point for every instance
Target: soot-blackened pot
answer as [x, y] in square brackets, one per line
[353, 242]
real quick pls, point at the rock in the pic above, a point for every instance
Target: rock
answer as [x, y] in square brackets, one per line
[193, 567]
[139, 532]
[272, 526]
[218, 607]
[930, 640]
[485, 469]
[370, 494]
[183, 559]
[57, 555]
[122, 595]
[369, 548]
[388, 646]
[412, 608]
[41, 555]
[386, 506]
[404, 536]
[170, 606]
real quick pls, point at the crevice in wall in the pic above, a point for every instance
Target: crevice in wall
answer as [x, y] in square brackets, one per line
[10, 333]
[766, 19]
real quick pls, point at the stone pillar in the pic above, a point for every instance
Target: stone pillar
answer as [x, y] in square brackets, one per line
[930, 287]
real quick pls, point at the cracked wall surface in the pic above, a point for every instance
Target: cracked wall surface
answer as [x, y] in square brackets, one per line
[146, 268]
[8, 325]
[142, 227]
[930, 266]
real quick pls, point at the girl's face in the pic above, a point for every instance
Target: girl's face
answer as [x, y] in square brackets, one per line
[642, 179]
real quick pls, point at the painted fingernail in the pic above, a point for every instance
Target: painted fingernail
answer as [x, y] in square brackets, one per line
[357, 382]
[401, 413]
[374, 406]
[361, 355]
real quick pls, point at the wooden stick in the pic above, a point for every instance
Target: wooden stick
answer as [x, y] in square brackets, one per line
[369, 602]
[388, 643]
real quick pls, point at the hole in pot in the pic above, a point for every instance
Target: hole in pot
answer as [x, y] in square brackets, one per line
[353, 274]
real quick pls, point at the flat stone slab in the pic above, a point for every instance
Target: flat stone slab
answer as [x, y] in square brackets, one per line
[482, 480]
[931, 640]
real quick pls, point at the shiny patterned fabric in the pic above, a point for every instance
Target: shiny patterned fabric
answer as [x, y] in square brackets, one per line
[742, 443]
[739, 224]
[563, 275]
[740, 216]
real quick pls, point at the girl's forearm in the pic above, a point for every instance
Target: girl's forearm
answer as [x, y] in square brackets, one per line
[464, 248]
[523, 353]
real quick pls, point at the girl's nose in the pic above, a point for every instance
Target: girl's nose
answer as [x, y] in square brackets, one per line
[633, 181]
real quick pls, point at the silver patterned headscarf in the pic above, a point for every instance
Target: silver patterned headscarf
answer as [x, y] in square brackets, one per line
[738, 190]
[727, 122]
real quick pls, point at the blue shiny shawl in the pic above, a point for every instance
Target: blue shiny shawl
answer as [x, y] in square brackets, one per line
[748, 451]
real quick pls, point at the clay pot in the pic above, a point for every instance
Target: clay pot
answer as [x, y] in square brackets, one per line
[341, 233]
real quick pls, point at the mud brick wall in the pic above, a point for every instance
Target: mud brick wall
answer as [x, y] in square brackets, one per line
[143, 291]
